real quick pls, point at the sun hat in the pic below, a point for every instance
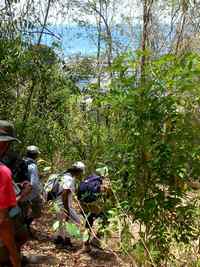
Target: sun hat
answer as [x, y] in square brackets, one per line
[78, 165]
[7, 133]
[33, 149]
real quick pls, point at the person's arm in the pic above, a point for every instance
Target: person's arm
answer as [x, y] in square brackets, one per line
[66, 200]
[25, 191]
[67, 185]
[69, 188]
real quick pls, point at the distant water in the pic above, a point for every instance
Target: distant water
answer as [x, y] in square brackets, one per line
[80, 40]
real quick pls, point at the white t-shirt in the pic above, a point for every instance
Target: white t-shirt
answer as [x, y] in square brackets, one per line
[68, 182]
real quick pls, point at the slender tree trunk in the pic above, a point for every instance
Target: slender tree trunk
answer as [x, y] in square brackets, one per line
[181, 32]
[11, 25]
[45, 21]
[99, 46]
[28, 106]
[147, 5]
[109, 42]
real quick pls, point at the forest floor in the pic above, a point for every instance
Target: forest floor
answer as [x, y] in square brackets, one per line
[42, 252]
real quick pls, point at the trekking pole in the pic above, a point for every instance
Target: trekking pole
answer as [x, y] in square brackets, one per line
[109, 249]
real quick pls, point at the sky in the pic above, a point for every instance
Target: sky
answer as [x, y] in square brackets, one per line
[63, 14]
[62, 11]
[62, 17]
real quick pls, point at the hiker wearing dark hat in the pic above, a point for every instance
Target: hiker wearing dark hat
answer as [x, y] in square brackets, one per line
[7, 195]
[34, 200]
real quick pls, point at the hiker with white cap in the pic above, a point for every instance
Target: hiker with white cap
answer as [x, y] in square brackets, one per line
[65, 188]
[7, 195]
[34, 200]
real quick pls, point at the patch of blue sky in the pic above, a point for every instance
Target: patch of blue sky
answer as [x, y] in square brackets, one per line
[80, 40]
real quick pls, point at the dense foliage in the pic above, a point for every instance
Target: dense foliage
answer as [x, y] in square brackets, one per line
[143, 124]
[146, 132]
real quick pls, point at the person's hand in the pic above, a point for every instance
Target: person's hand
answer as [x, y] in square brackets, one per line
[104, 187]
[26, 190]
[25, 184]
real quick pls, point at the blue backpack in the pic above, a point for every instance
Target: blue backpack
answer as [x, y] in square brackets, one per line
[90, 189]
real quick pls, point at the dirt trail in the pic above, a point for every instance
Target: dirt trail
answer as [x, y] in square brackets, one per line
[47, 255]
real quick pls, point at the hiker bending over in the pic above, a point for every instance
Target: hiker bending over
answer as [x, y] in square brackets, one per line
[62, 190]
[7, 195]
[92, 194]
[34, 200]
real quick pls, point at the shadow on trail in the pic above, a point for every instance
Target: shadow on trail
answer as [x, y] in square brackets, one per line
[37, 260]
[102, 255]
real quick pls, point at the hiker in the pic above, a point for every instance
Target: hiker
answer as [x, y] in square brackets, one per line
[62, 190]
[34, 200]
[91, 194]
[7, 195]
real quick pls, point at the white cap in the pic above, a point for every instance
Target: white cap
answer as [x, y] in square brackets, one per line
[79, 165]
[102, 171]
[33, 149]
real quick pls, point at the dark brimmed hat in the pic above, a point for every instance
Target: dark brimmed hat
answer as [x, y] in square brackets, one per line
[7, 133]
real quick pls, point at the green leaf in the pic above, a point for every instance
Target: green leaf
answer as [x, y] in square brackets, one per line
[85, 236]
[56, 225]
[73, 230]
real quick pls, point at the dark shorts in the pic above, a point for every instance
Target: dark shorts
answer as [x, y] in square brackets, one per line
[36, 207]
[33, 208]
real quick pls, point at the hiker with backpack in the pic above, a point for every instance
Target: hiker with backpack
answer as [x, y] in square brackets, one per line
[19, 170]
[7, 195]
[60, 189]
[91, 194]
[34, 200]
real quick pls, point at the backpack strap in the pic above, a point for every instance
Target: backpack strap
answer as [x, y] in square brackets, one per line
[59, 178]
[56, 183]
[93, 178]
[29, 161]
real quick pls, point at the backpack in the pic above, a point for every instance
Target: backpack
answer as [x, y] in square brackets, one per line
[52, 187]
[89, 190]
[18, 167]
[20, 171]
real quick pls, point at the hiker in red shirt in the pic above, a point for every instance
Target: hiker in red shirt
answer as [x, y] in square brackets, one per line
[7, 195]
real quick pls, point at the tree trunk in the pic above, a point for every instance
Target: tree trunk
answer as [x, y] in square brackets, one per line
[99, 46]
[147, 5]
[45, 22]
